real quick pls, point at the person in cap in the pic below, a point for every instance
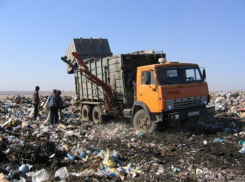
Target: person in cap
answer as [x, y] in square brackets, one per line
[35, 101]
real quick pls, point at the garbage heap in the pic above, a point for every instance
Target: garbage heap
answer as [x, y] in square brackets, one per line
[76, 151]
[229, 104]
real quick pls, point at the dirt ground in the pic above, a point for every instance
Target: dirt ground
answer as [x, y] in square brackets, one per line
[203, 151]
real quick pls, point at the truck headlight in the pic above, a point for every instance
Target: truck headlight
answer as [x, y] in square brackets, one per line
[205, 102]
[169, 107]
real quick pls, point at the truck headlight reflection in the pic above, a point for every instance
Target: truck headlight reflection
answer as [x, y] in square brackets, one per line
[169, 107]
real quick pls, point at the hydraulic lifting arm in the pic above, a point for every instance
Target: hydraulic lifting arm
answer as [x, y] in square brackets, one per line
[109, 98]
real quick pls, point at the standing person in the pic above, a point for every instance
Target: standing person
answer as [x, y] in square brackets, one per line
[35, 101]
[61, 104]
[54, 104]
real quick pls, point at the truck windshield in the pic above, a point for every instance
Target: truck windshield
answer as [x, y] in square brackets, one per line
[178, 75]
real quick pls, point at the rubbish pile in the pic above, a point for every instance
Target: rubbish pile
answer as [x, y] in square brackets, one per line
[229, 104]
[77, 151]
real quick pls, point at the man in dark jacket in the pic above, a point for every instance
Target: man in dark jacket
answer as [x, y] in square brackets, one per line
[35, 101]
[54, 105]
[61, 104]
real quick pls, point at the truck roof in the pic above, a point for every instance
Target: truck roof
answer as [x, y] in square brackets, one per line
[166, 64]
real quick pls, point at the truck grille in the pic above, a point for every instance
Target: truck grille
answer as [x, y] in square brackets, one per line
[187, 104]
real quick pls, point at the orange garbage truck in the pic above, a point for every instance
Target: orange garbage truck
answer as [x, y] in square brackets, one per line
[140, 85]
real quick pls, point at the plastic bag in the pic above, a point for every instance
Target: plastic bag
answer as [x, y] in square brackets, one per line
[108, 160]
[32, 113]
[46, 107]
[39, 176]
[62, 173]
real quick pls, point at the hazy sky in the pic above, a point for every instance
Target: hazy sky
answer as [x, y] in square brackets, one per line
[35, 34]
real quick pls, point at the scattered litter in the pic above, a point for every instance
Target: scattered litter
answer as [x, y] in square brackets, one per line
[74, 150]
[218, 140]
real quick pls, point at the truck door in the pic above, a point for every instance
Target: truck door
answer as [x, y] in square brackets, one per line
[146, 89]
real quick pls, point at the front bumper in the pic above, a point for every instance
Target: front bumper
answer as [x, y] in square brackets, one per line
[175, 117]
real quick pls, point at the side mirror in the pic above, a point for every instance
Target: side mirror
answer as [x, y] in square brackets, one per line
[204, 74]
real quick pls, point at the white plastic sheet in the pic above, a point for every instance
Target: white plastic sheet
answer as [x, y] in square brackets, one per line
[39, 176]
[62, 173]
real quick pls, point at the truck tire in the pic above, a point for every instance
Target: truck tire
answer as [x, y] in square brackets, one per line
[97, 115]
[86, 113]
[142, 122]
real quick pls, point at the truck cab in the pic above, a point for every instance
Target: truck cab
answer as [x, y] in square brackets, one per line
[170, 91]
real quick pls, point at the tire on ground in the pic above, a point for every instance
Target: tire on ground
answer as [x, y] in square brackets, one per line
[97, 115]
[86, 113]
[142, 122]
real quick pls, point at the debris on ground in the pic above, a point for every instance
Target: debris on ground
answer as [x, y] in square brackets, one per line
[73, 150]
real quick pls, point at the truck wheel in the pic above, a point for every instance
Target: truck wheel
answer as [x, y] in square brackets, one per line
[97, 115]
[143, 123]
[86, 113]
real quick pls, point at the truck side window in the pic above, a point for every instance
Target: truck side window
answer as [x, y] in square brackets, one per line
[152, 78]
[148, 77]
[192, 74]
